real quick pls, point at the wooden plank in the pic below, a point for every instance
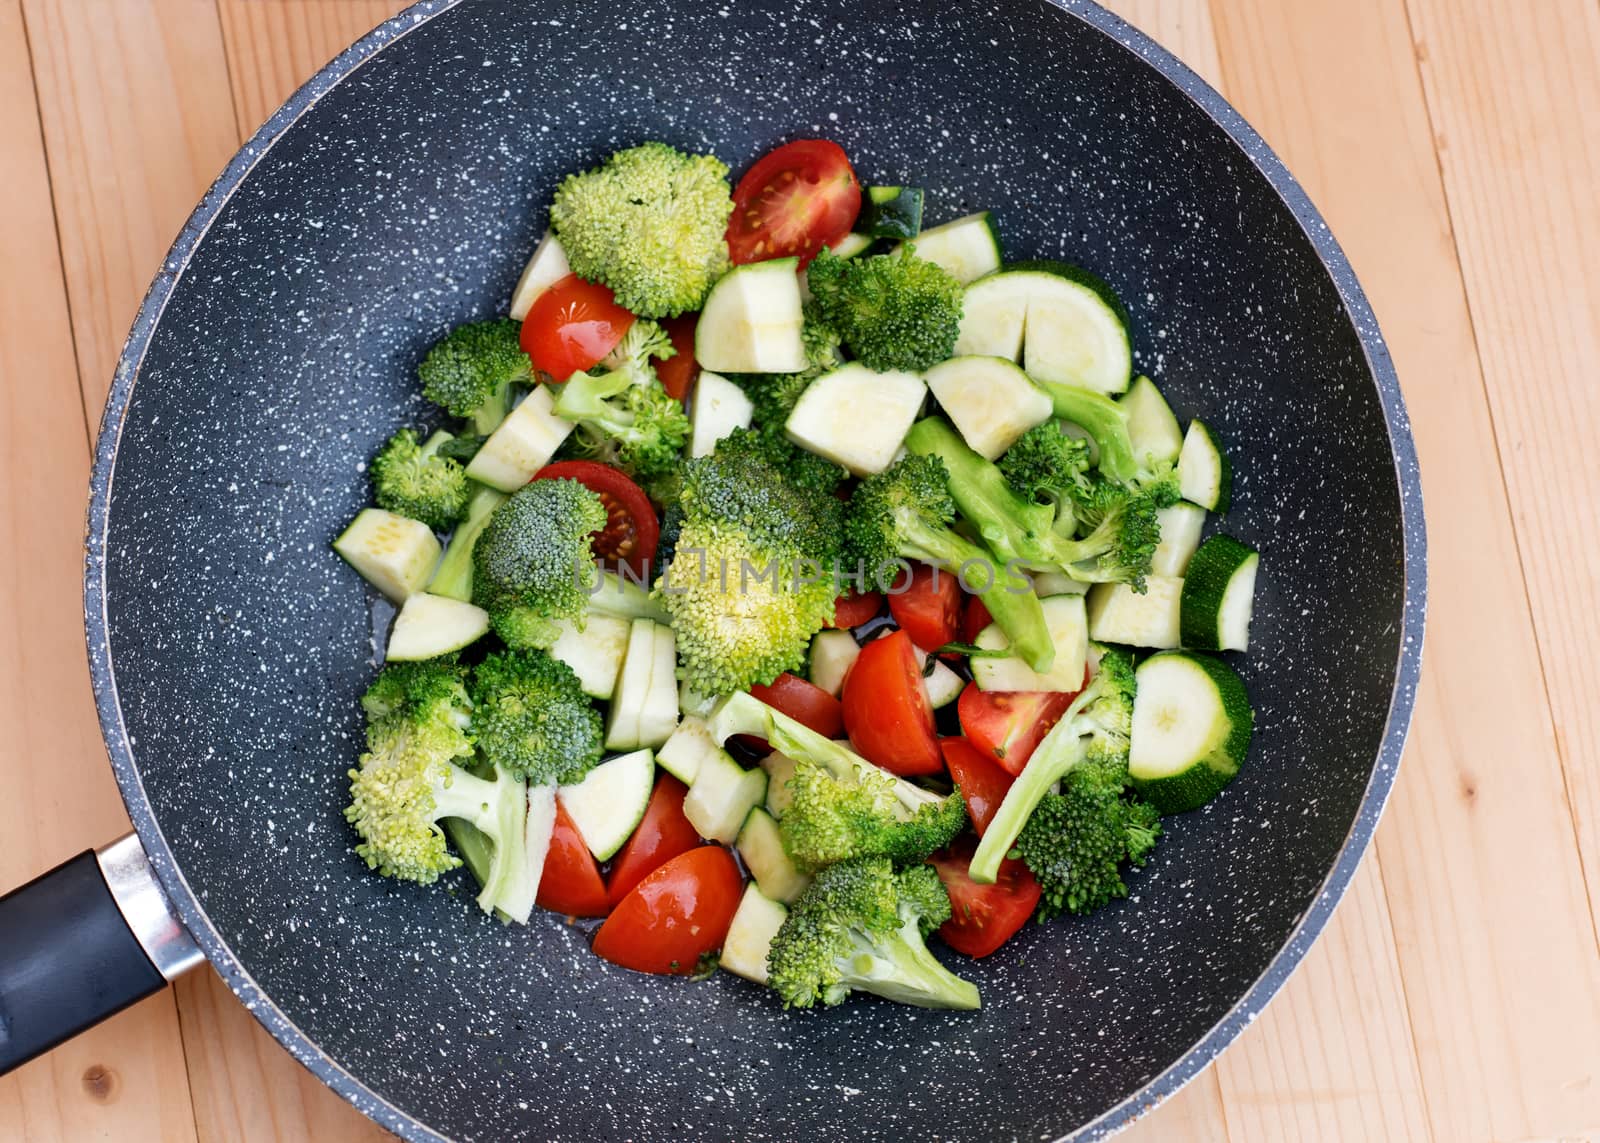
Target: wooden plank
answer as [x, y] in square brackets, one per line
[1515, 104]
[1496, 949]
[274, 48]
[137, 122]
[124, 1079]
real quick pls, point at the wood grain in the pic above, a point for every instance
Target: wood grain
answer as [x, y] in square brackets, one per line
[1491, 919]
[124, 1079]
[1515, 107]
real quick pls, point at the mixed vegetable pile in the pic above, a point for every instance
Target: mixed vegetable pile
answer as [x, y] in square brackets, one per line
[800, 577]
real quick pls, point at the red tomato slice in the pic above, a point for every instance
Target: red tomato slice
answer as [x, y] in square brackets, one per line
[674, 916]
[983, 917]
[571, 880]
[571, 326]
[852, 610]
[974, 619]
[1007, 725]
[928, 608]
[632, 529]
[983, 783]
[678, 372]
[804, 702]
[662, 834]
[886, 711]
[794, 201]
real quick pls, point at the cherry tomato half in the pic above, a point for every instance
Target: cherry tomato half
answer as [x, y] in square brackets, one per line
[571, 881]
[983, 783]
[804, 702]
[677, 373]
[1007, 725]
[886, 711]
[928, 607]
[632, 529]
[795, 200]
[974, 619]
[674, 916]
[853, 610]
[659, 837]
[983, 917]
[571, 326]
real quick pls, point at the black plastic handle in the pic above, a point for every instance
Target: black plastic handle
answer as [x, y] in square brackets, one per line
[67, 960]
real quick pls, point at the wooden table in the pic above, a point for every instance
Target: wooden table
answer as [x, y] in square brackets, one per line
[1454, 146]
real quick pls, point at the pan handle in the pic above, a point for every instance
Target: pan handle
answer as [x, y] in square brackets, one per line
[82, 942]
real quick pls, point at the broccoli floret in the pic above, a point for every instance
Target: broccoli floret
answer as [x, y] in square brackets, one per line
[532, 564]
[1047, 466]
[1093, 735]
[415, 480]
[624, 416]
[1076, 841]
[1122, 517]
[861, 927]
[905, 513]
[650, 223]
[454, 575]
[532, 719]
[893, 311]
[409, 779]
[829, 820]
[470, 371]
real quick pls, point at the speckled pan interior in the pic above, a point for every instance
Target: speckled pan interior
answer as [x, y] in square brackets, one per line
[399, 194]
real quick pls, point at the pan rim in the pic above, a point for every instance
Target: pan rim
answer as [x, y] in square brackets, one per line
[1137, 1103]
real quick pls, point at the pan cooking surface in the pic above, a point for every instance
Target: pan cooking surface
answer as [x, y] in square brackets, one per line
[404, 201]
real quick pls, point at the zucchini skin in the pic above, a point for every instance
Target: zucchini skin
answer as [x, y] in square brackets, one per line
[1206, 581]
[890, 212]
[1203, 780]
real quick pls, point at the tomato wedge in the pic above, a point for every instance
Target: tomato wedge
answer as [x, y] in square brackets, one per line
[983, 917]
[571, 326]
[804, 702]
[571, 881]
[660, 836]
[974, 619]
[852, 609]
[983, 783]
[1007, 725]
[928, 606]
[632, 530]
[886, 711]
[677, 373]
[675, 915]
[795, 200]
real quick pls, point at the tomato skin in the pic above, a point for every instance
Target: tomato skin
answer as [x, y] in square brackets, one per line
[571, 326]
[983, 783]
[928, 607]
[795, 200]
[571, 881]
[1007, 726]
[661, 835]
[804, 702]
[983, 917]
[677, 373]
[886, 711]
[974, 619]
[852, 610]
[632, 530]
[675, 915]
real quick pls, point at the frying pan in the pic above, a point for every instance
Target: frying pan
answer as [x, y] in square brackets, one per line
[397, 194]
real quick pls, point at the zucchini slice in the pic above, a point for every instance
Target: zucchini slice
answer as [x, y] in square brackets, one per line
[751, 320]
[721, 796]
[755, 922]
[718, 408]
[633, 683]
[1151, 426]
[522, 445]
[761, 850]
[780, 770]
[547, 267]
[942, 685]
[991, 401]
[595, 654]
[1074, 336]
[890, 212]
[967, 248]
[833, 653]
[686, 748]
[658, 716]
[850, 246]
[1191, 729]
[1218, 595]
[1180, 536]
[432, 625]
[395, 554]
[1118, 614]
[608, 805]
[1066, 620]
[993, 312]
[857, 417]
[1204, 474]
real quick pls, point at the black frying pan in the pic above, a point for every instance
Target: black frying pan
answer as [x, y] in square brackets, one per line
[398, 194]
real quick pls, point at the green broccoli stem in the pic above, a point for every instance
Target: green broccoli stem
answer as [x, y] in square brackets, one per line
[486, 418]
[453, 577]
[1060, 751]
[899, 967]
[498, 809]
[1104, 420]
